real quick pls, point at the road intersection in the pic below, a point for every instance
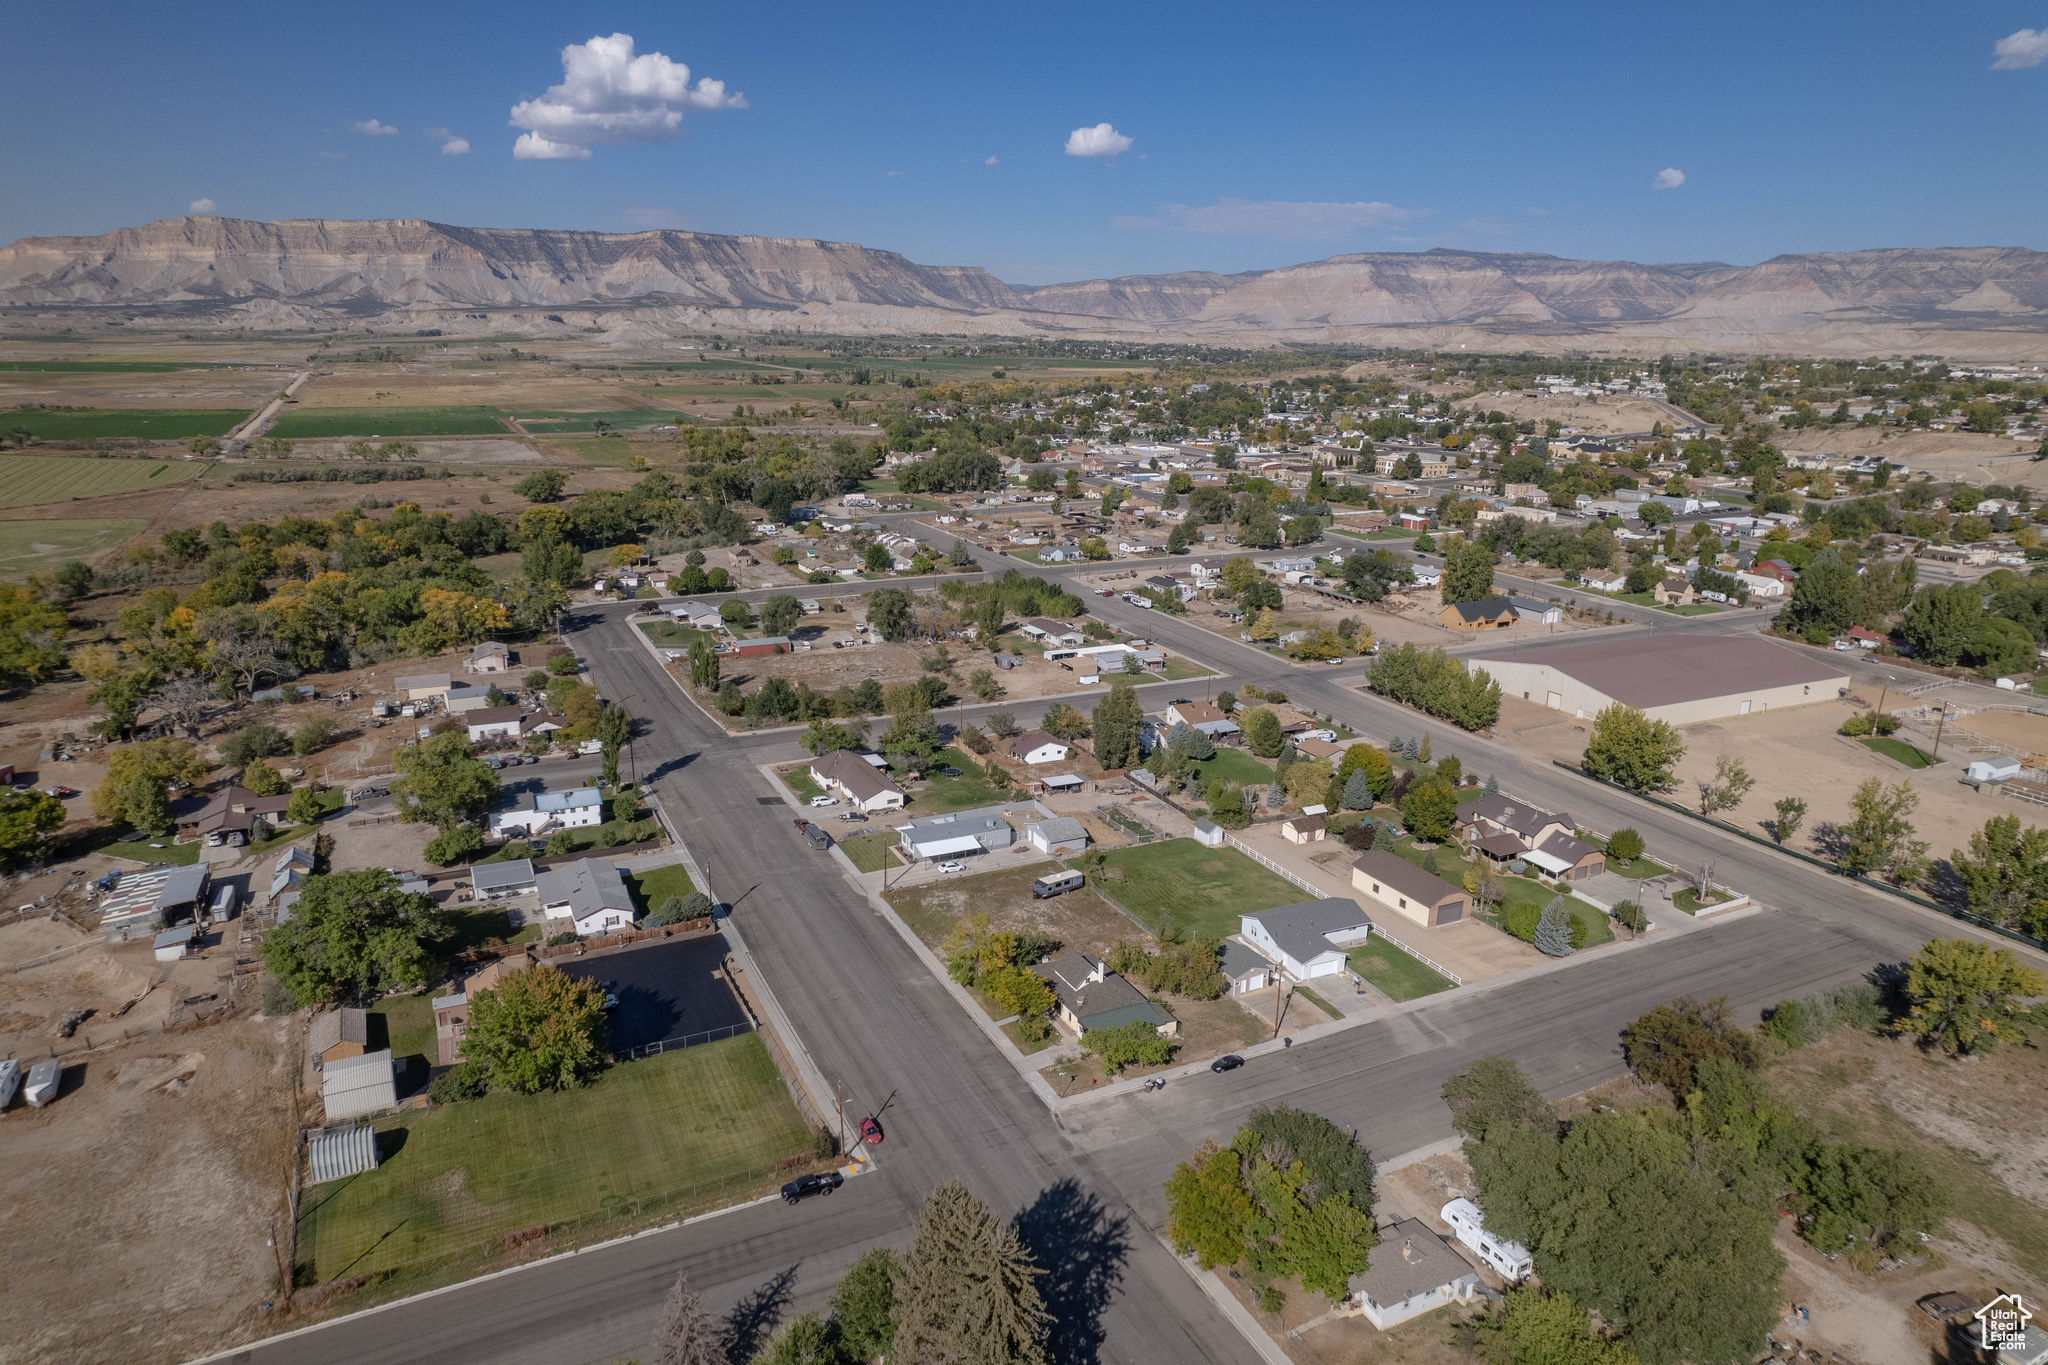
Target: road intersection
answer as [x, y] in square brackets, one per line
[1083, 1181]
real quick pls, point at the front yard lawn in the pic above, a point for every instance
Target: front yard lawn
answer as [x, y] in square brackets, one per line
[1396, 975]
[1204, 890]
[686, 1131]
[1643, 599]
[669, 635]
[1524, 891]
[1898, 751]
[1176, 668]
[797, 777]
[650, 888]
[1235, 765]
[1688, 900]
[869, 849]
[972, 788]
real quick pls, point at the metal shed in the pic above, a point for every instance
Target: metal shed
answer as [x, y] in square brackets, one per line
[350, 1152]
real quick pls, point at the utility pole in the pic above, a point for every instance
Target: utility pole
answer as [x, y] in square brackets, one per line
[1884, 691]
[1279, 1000]
[1940, 716]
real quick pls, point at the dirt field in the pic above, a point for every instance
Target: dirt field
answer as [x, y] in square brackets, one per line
[245, 389]
[2020, 729]
[1590, 416]
[524, 389]
[1401, 618]
[452, 450]
[1947, 455]
[1792, 751]
[163, 1159]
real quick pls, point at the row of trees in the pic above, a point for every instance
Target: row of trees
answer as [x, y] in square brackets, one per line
[1437, 684]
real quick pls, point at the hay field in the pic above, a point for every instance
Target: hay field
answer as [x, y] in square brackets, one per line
[513, 390]
[149, 424]
[32, 480]
[26, 546]
[387, 422]
[178, 388]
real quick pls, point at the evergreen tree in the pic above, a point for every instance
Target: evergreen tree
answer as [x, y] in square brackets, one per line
[1357, 791]
[1492, 785]
[614, 728]
[967, 1289]
[861, 1304]
[1118, 720]
[1468, 573]
[1262, 732]
[1554, 930]
[1276, 796]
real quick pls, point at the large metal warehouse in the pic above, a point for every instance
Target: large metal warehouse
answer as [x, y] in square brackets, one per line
[1682, 679]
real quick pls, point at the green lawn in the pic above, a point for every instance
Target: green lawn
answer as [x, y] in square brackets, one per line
[1325, 1006]
[1397, 975]
[869, 850]
[669, 635]
[149, 851]
[1643, 599]
[151, 424]
[972, 788]
[1177, 668]
[1639, 868]
[1387, 534]
[478, 924]
[702, 1127]
[406, 1024]
[797, 777]
[1204, 890]
[1523, 891]
[543, 423]
[650, 888]
[1235, 765]
[26, 546]
[1688, 900]
[31, 480]
[1897, 750]
[387, 423]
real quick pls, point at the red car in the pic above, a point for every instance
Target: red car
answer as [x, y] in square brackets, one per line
[871, 1132]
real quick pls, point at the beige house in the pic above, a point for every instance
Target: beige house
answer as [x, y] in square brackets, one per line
[1305, 829]
[1673, 591]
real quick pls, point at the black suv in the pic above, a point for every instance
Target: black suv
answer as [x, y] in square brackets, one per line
[812, 1184]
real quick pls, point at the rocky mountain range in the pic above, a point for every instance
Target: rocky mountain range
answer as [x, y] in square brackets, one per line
[204, 272]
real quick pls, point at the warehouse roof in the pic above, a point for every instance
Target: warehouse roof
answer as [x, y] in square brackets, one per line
[1661, 670]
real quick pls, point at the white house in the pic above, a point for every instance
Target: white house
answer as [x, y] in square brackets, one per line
[1411, 1272]
[1759, 585]
[1060, 836]
[566, 810]
[493, 722]
[1511, 1260]
[1309, 939]
[1200, 715]
[589, 894]
[1036, 746]
[1603, 580]
[1427, 577]
[849, 774]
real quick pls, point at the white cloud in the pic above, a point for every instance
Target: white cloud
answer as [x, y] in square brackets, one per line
[611, 97]
[201, 206]
[1271, 218]
[2025, 48]
[369, 127]
[991, 162]
[1101, 140]
[894, 172]
[455, 146]
[534, 147]
[1670, 178]
[436, 132]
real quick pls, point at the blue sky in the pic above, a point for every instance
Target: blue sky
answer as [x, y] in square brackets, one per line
[1257, 135]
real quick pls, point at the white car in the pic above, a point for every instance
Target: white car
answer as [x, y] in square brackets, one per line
[817, 801]
[951, 867]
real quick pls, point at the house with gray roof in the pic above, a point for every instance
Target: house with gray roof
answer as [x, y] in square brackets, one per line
[532, 814]
[1244, 967]
[1060, 836]
[1411, 1272]
[967, 831]
[495, 881]
[1308, 939]
[1090, 996]
[1387, 879]
[589, 895]
[860, 782]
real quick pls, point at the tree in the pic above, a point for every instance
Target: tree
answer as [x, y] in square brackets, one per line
[1531, 1327]
[1371, 763]
[614, 728]
[27, 819]
[1631, 750]
[549, 561]
[1209, 1212]
[354, 935]
[779, 614]
[889, 613]
[1962, 994]
[1665, 1046]
[264, 780]
[455, 845]
[251, 742]
[1467, 573]
[314, 734]
[149, 805]
[703, 665]
[989, 621]
[545, 486]
[160, 760]
[1790, 811]
[1554, 930]
[2005, 874]
[862, 1302]
[540, 1029]
[1826, 599]
[1879, 838]
[304, 807]
[967, 1290]
[443, 783]
[679, 909]
[1430, 809]
[1942, 622]
[1117, 721]
[1263, 733]
[684, 1333]
[1136, 1043]
[1357, 791]
[1731, 783]
[1492, 1093]
[1625, 845]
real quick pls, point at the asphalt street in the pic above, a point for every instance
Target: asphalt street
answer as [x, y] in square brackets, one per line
[1085, 1183]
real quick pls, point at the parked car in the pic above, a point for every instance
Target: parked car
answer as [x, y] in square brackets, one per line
[818, 801]
[853, 815]
[951, 867]
[806, 1185]
[871, 1132]
[61, 793]
[1229, 1061]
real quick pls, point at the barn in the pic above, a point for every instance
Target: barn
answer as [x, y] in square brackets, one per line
[1682, 679]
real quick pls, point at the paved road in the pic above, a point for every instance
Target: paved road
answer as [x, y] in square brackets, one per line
[1086, 1183]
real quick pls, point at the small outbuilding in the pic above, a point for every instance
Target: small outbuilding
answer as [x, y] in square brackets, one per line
[1390, 880]
[334, 1156]
[1305, 829]
[173, 944]
[496, 881]
[359, 1085]
[1060, 836]
[337, 1034]
[1208, 834]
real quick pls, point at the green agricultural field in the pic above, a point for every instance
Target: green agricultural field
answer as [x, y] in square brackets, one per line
[32, 480]
[1203, 889]
[546, 423]
[58, 426]
[26, 546]
[675, 1135]
[389, 423]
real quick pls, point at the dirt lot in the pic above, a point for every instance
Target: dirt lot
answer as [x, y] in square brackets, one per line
[1807, 758]
[2020, 729]
[1401, 618]
[246, 389]
[526, 389]
[162, 1161]
[1590, 416]
[464, 450]
[1947, 455]
[1080, 919]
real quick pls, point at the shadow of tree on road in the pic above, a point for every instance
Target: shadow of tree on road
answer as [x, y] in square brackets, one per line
[1082, 1247]
[755, 1317]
